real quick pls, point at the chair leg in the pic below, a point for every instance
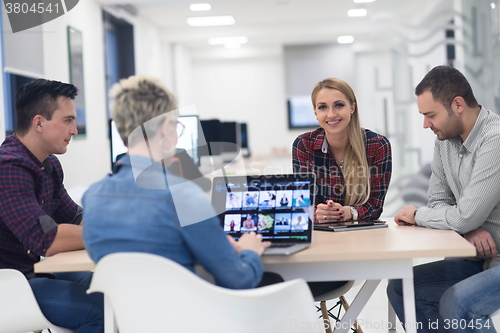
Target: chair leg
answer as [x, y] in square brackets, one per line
[326, 320]
[346, 305]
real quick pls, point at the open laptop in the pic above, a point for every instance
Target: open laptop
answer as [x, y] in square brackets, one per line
[276, 206]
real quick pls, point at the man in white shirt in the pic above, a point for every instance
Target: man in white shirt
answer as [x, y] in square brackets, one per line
[457, 295]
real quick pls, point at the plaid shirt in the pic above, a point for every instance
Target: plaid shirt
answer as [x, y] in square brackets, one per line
[33, 201]
[308, 156]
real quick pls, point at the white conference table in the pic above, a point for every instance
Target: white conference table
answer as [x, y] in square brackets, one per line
[369, 255]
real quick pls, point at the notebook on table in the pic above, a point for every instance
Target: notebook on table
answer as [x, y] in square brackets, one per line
[276, 206]
[350, 225]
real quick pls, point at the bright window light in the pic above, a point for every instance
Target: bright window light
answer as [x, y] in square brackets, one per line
[200, 7]
[363, 1]
[345, 39]
[227, 40]
[493, 5]
[357, 12]
[206, 21]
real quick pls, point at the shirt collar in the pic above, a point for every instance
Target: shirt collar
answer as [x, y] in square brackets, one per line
[324, 146]
[320, 142]
[473, 138]
[138, 164]
[46, 166]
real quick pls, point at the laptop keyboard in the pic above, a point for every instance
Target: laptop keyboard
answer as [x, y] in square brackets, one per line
[281, 245]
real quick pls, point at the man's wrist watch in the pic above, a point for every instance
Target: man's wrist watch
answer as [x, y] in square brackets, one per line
[354, 213]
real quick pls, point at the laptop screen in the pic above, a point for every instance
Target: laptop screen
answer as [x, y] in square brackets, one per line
[275, 206]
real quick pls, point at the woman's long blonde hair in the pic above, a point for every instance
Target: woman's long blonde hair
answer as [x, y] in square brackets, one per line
[356, 171]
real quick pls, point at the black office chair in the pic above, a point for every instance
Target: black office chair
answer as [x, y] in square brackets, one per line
[183, 166]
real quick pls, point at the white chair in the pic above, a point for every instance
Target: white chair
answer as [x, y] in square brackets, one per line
[149, 293]
[19, 310]
[326, 313]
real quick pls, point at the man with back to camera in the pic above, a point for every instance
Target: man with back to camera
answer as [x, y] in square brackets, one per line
[141, 207]
[460, 294]
[37, 216]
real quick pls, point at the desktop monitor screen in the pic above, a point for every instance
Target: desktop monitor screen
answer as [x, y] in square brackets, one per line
[211, 133]
[117, 146]
[245, 150]
[189, 140]
[244, 135]
[230, 133]
[300, 113]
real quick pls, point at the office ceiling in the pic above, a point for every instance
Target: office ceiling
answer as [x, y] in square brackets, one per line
[270, 23]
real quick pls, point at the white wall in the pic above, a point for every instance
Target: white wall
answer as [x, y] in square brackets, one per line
[250, 90]
[306, 65]
[183, 75]
[87, 158]
[425, 55]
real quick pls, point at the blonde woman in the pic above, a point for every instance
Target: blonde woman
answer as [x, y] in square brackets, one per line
[352, 165]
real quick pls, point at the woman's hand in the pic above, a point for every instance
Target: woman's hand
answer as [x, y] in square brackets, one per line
[249, 241]
[332, 212]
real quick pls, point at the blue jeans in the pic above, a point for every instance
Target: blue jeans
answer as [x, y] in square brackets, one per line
[443, 299]
[64, 301]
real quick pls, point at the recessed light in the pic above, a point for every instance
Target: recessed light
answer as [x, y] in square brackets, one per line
[206, 21]
[227, 40]
[200, 7]
[363, 1]
[357, 12]
[493, 5]
[345, 39]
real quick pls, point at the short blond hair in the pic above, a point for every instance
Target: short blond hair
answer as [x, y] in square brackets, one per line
[137, 100]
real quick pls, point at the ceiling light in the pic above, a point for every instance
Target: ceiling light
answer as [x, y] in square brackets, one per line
[363, 1]
[200, 7]
[345, 39]
[357, 12]
[205, 21]
[227, 40]
[493, 5]
[232, 45]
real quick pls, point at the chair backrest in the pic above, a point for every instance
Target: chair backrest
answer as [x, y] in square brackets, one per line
[19, 310]
[149, 293]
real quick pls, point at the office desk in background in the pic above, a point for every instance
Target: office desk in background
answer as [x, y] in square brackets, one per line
[370, 255]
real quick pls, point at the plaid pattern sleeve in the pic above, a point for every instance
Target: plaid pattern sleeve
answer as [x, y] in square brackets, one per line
[308, 156]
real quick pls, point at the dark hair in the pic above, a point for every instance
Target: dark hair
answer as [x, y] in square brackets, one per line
[445, 83]
[39, 97]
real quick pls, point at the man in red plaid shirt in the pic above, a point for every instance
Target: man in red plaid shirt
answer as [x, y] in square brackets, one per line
[37, 216]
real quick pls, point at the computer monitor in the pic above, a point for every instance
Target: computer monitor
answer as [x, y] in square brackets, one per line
[230, 132]
[211, 133]
[230, 136]
[116, 143]
[245, 150]
[300, 113]
[190, 138]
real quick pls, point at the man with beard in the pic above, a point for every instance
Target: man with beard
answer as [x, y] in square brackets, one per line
[457, 295]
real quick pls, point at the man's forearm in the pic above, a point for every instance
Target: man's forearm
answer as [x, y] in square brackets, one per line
[68, 238]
